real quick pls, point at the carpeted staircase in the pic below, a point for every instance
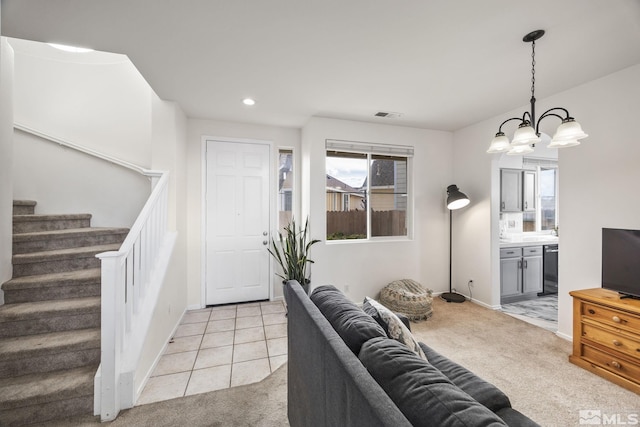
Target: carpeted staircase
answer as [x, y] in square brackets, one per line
[50, 323]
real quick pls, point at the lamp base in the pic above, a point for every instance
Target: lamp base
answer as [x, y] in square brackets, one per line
[453, 297]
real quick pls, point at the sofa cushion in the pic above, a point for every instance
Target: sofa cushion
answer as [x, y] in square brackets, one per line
[392, 325]
[482, 391]
[424, 395]
[354, 326]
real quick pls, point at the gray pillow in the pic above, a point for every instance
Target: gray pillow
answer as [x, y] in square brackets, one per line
[392, 325]
[422, 393]
[354, 326]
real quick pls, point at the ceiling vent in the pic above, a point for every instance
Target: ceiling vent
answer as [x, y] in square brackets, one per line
[388, 114]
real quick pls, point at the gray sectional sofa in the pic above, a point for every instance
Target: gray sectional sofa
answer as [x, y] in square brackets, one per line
[344, 370]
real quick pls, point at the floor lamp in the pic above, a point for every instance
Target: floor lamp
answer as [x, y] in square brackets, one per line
[456, 199]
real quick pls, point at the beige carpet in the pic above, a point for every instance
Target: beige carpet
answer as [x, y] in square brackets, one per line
[528, 363]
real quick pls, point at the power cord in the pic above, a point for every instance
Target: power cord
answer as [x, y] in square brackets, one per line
[469, 286]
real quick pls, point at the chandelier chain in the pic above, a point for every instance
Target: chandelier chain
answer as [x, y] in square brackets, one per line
[533, 68]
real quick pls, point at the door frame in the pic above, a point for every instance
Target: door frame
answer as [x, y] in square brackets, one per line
[203, 206]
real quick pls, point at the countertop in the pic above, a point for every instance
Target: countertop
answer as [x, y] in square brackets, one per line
[529, 241]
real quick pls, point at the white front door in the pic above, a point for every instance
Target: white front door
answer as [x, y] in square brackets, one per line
[237, 222]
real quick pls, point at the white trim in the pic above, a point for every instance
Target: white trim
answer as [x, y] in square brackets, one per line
[203, 205]
[369, 147]
[564, 336]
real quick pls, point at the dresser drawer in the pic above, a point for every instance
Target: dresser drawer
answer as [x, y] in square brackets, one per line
[611, 363]
[627, 344]
[532, 251]
[610, 316]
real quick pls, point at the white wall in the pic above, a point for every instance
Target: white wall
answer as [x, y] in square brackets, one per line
[592, 176]
[98, 100]
[598, 179]
[366, 267]
[196, 129]
[169, 154]
[6, 157]
[63, 180]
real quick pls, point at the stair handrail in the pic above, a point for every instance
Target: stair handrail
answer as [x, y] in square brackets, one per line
[131, 283]
[86, 150]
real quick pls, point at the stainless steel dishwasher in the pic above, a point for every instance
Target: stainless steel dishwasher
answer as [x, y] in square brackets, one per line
[550, 270]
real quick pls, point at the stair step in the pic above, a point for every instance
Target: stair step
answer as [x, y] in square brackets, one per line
[65, 239]
[59, 261]
[55, 286]
[24, 207]
[37, 398]
[31, 223]
[32, 318]
[49, 352]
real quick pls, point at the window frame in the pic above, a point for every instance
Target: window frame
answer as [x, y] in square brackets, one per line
[370, 150]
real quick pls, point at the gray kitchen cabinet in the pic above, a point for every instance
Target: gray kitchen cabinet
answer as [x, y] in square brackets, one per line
[520, 273]
[510, 190]
[529, 191]
[532, 270]
[510, 272]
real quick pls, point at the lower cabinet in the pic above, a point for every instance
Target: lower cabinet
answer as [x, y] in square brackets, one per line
[520, 273]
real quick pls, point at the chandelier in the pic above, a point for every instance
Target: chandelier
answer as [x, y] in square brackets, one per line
[568, 133]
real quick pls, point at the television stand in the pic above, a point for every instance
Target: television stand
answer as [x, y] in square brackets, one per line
[625, 296]
[606, 336]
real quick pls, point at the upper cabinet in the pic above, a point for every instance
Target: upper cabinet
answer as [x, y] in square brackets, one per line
[517, 190]
[510, 190]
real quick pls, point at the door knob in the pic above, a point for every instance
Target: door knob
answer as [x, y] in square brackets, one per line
[265, 242]
[264, 233]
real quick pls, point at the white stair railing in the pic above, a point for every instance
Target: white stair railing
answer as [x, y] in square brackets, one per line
[131, 279]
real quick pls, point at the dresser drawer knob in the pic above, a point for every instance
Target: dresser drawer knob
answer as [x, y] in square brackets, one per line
[592, 311]
[615, 364]
[616, 319]
[617, 343]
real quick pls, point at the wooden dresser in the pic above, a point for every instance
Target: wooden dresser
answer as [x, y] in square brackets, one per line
[606, 336]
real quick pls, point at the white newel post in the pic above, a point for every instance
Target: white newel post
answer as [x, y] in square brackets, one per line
[113, 302]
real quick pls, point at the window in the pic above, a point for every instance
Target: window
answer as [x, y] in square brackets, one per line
[548, 202]
[285, 187]
[545, 217]
[367, 190]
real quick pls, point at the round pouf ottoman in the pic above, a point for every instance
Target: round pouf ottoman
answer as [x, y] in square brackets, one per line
[408, 297]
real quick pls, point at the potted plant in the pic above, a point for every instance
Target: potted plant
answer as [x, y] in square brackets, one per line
[291, 251]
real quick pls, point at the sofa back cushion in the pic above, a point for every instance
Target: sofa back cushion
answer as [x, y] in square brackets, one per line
[422, 393]
[354, 326]
[482, 391]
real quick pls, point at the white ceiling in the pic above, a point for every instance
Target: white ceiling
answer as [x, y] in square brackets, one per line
[443, 64]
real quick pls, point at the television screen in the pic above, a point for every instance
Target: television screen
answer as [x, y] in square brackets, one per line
[621, 261]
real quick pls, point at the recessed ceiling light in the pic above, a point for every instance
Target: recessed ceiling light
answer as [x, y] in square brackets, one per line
[70, 48]
[249, 101]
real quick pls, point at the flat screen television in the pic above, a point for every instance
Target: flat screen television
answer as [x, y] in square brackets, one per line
[621, 261]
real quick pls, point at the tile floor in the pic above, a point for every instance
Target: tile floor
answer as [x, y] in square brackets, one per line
[220, 347]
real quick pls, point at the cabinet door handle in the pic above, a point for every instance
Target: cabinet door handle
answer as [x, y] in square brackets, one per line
[520, 264]
[526, 205]
[525, 263]
[502, 205]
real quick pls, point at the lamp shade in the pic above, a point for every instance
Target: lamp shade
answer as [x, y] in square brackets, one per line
[525, 135]
[499, 144]
[456, 199]
[569, 130]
